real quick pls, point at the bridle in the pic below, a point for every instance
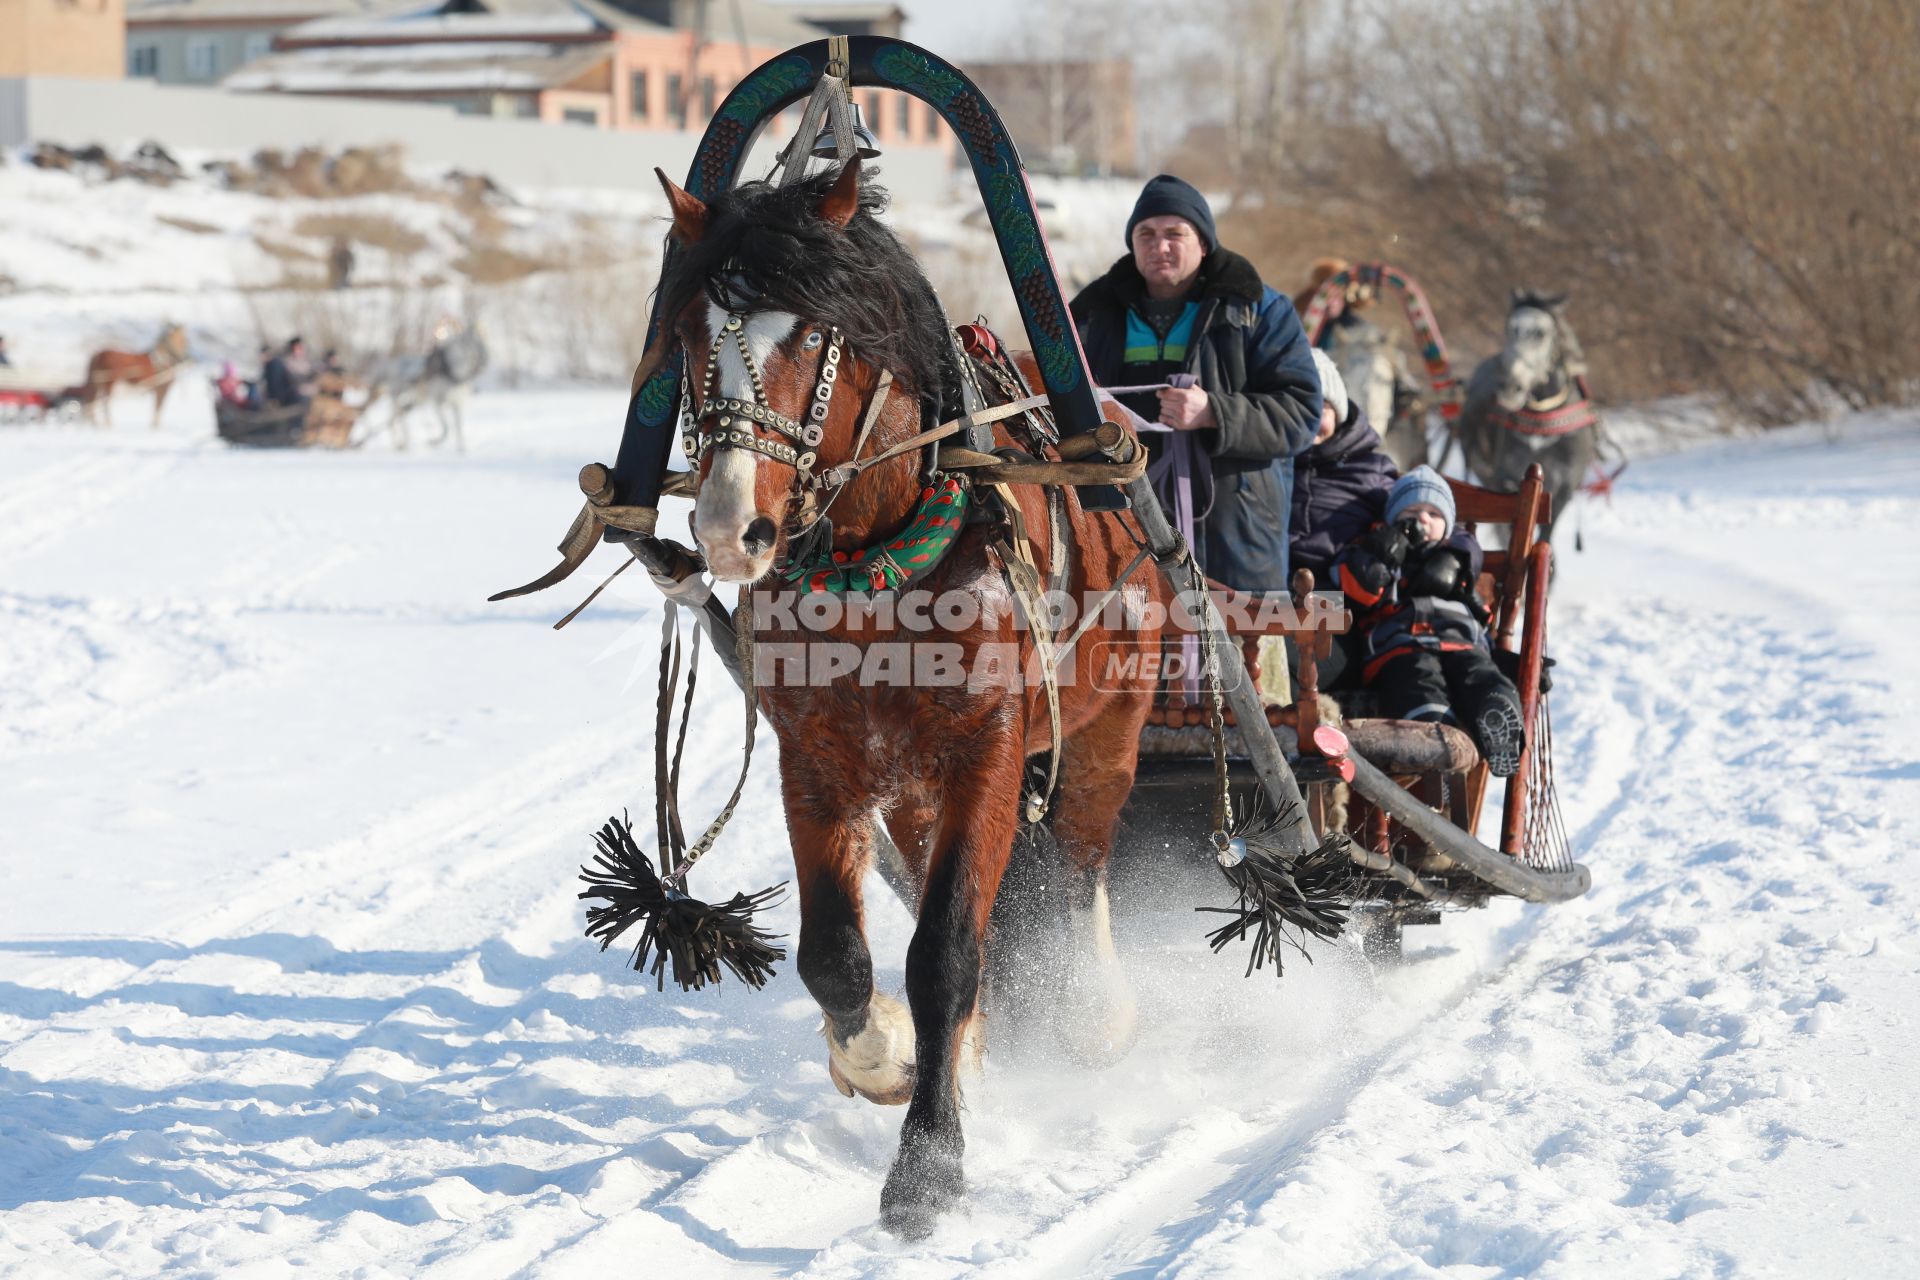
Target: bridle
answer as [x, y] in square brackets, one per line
[724, 422]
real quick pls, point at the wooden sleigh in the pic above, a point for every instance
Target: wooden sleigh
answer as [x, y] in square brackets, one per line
[324, 422]
[1408, 867]
[29, 396]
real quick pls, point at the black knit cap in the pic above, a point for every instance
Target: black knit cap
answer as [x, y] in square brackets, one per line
[1165, 195]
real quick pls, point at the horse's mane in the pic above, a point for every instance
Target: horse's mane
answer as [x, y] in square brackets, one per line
[766, 249]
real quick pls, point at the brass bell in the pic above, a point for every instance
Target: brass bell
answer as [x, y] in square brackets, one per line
[865, 145]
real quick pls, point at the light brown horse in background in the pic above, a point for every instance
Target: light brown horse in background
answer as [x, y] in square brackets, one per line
[143, 370]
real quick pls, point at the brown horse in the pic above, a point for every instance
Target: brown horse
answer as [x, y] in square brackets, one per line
[149, 370]
[769, 285]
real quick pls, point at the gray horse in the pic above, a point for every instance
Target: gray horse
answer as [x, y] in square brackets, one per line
[1376, 374]
[1528, 404]
[438, 380]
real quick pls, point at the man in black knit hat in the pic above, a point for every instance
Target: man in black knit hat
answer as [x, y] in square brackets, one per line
[1179, 304]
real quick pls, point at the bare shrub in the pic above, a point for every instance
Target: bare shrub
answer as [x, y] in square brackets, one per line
[374, 230]
[1731, 190]
[287, 252]
[492, 264]
[589, 325]
[188, 224]
[311, 172]
[365, 327]
[361, 171]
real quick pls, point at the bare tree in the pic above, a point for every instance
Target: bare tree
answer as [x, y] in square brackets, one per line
[1731, 188]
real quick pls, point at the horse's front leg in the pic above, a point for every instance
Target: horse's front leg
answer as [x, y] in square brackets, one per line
[869, 1035]
[159, 399]
[967, 859]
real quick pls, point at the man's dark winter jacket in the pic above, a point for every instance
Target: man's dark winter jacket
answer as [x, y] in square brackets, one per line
[1340, 491]
[1252, 360]
[277, 382]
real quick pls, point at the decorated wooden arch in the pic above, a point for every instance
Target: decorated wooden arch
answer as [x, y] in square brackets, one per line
[877, 62]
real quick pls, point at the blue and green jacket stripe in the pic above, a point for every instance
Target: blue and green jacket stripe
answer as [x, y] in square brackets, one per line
[1147, 348]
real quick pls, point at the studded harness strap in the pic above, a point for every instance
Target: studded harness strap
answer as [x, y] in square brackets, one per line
[724, 422]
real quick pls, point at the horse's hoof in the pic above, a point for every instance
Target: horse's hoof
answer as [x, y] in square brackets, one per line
[897, 1094]
[878, 1063]
[909, 1221]
[926, 1181]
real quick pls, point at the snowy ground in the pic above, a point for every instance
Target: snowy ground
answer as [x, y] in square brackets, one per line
[87, 263]
[291, 976]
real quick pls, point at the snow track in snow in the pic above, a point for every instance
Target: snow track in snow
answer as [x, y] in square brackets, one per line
[292, 977]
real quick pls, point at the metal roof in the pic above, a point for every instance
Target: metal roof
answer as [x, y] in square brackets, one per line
[450, 67]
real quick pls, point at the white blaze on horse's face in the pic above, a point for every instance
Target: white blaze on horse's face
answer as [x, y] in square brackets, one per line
[735, 536]
[1527, 364]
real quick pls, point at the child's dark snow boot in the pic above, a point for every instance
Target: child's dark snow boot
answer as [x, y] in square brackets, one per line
[1501, 733]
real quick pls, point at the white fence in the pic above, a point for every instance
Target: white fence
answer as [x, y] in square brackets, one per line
[122, 113]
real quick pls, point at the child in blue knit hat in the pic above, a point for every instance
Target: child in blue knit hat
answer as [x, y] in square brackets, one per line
[1422, 629]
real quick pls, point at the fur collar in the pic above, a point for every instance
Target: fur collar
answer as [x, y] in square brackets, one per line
[1224, 275]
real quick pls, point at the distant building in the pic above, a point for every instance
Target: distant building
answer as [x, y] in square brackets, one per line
[609, 64]
[81, 38]
[1066, 117]
[853, 19]
[201, 41]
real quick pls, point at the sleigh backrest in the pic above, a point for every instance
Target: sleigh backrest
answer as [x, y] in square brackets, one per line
[1525, 512]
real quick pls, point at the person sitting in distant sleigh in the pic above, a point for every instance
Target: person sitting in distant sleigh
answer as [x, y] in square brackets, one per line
[232, 389]
[1422, 629]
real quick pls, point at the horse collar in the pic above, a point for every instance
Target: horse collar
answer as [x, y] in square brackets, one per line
[930, 533]
[1561, 416]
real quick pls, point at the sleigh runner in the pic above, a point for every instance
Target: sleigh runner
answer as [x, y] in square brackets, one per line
[845, 438]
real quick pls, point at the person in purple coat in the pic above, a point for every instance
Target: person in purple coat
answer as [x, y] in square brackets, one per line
[1340, 482]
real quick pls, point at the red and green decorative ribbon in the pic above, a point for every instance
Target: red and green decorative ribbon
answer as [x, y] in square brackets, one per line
[1330, 299]
[1575, 415]
[909, 554]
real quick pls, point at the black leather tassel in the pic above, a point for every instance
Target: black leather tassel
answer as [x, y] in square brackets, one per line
[680, 933]
[1281, 897]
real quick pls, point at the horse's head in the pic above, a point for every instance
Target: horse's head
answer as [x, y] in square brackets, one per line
[783, 304]
[462, 353]
[1532, 364]
[173, 342]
